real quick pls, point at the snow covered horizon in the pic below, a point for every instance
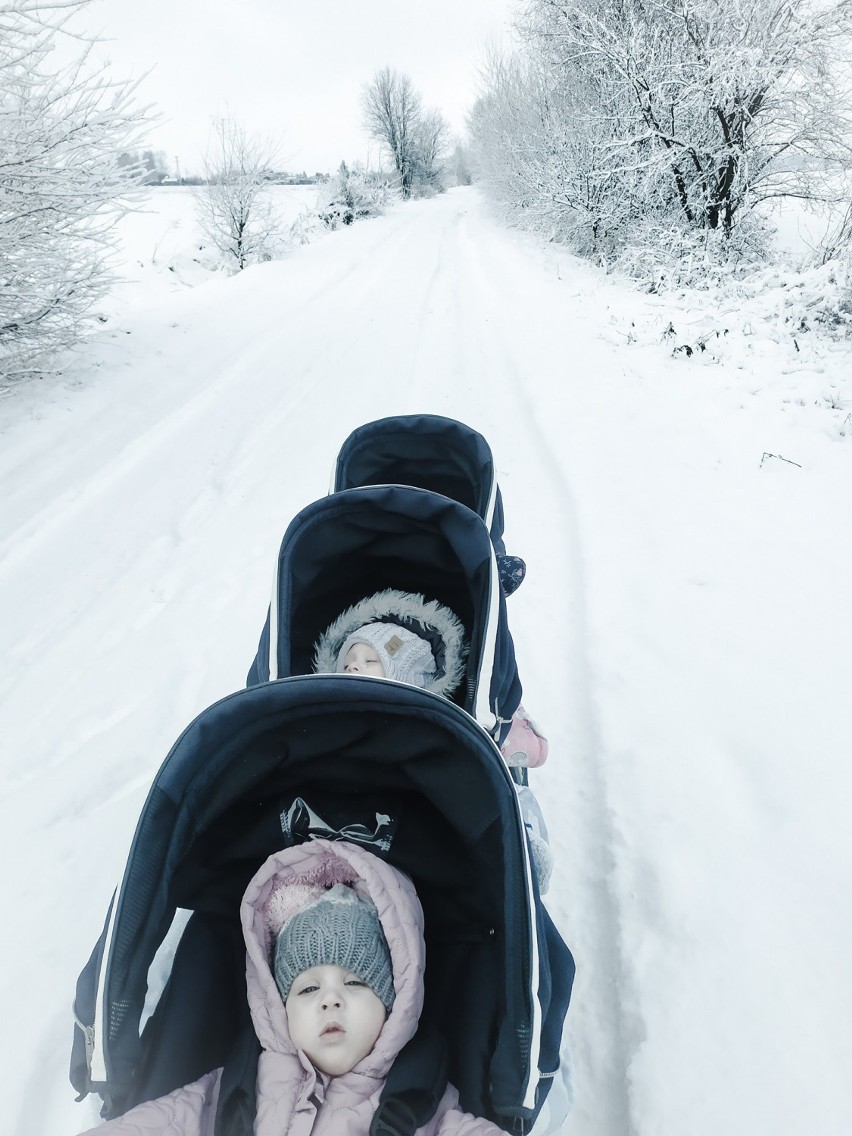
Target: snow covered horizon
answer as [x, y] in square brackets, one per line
[682, 635]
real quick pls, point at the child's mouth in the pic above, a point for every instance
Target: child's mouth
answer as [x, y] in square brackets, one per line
[332, 1029]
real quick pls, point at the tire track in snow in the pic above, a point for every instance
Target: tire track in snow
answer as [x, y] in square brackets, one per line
[582, 831]
[247, 360]
[230, 425]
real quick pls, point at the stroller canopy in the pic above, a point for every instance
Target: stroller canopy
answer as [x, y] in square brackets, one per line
[358, 542]
[400, 770]
[430, 452]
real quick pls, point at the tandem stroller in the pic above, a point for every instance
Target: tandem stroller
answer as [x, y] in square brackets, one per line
[413, 776]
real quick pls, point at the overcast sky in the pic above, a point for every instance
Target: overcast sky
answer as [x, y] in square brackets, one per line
[293, 69]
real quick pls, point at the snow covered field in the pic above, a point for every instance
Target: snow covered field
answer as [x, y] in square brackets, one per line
[683, 633]
[161, 244]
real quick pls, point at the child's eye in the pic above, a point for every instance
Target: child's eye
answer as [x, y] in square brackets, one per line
[307, 990]
[355, 982]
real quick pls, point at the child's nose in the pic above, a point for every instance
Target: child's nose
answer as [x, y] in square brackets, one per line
[332, 999]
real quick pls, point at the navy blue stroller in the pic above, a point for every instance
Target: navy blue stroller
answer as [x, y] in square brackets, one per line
[431, 452]
[401, 770]
[358, 541]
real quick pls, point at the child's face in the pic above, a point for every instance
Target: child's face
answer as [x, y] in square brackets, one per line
[361, 658]
[333, 1017]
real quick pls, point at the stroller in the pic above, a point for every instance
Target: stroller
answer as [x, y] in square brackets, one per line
[431, 452]
[415, 777]
[400, 770]
[358, 541]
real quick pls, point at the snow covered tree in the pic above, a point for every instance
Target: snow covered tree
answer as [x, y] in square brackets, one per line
[690, 111]
[716, 91]
[392, 111]
[431, 149]
[62, 129]
[460, 164]
[416, 140]
[234, 209]
[152, 162]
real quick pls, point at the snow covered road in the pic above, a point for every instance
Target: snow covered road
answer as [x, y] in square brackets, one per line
[683, 635]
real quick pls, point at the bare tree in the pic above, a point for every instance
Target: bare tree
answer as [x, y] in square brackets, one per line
[432, 143]
[62, 130]
[234, 208]
[460, 163]
[392, 114]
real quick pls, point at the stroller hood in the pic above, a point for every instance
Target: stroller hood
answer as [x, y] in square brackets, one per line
[430, 452]
[434, 453]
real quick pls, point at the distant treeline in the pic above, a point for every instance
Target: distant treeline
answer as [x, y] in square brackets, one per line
[156, 171]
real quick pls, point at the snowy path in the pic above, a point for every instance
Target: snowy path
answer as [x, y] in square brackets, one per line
[695, 696]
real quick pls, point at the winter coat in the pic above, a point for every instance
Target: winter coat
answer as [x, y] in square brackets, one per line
[294, 1098]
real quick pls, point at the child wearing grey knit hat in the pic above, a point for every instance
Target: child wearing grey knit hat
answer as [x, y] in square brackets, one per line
[327, 1015]
[332, 966]
[337, 928]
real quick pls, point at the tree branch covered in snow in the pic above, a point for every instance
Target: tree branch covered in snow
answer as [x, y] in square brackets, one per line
[62, 129]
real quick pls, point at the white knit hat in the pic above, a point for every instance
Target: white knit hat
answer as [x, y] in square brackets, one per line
[432, 621]
[405, 656]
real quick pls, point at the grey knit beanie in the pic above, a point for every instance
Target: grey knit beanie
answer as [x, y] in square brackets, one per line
[405, 656]
[341, 928]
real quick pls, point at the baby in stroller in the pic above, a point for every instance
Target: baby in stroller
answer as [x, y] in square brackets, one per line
[334, 979]
[404, 637]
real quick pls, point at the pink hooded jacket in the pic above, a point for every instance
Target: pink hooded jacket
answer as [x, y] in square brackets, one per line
[294, 1098]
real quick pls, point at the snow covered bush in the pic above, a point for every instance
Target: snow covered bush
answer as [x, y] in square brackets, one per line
[304, 228]
[665, 255]
[352, 195]
[533, 155]
[234, 209]
[62, 130]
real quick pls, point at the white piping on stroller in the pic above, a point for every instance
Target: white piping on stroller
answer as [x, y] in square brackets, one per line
[537, 1017]
[483, 713]
[97, 1063]
[492, 500]
[273, 624]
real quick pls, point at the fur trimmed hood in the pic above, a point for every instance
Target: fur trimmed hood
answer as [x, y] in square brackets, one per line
[430, 620]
